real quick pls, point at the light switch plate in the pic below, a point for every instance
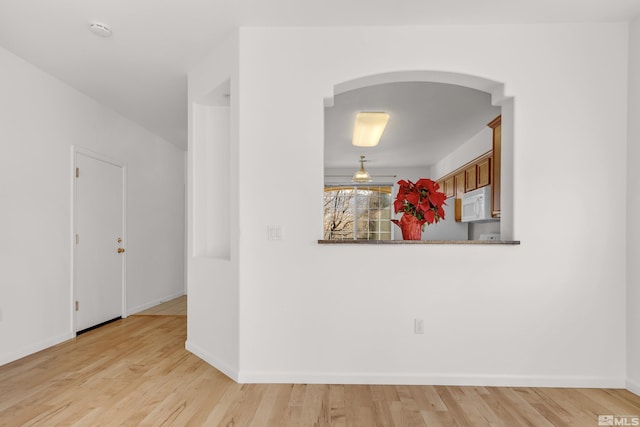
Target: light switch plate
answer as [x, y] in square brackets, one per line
[274, 232]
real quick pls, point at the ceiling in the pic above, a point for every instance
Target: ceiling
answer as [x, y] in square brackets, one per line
[141, 70]
[427, 121]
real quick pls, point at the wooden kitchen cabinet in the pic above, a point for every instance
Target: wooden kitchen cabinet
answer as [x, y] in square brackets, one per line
[446, 186]
[484, 171]
[470, 178]
[475, 174]
[496, 125]
[458, 182]
[448, 189]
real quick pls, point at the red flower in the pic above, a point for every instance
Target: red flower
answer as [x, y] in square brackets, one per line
[437, 198]
[421, 200]
[430, 216]
[398, 205]
[429, 185]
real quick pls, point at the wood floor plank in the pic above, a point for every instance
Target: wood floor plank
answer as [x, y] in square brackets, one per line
[244, 408]
[397, 413]
[272, 404]
[136, 372]
[521, 409]
[350, 405]
[315, 410]
[174, 307]
[550, 409]
[221, 410]
[499, 406]
[410, 408]
[337, 410]
[479, 412]
[450, 397]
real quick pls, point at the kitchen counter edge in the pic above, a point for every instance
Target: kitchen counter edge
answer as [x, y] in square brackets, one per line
[419, 242]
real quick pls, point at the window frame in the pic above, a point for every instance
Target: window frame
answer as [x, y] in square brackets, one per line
[388, 189]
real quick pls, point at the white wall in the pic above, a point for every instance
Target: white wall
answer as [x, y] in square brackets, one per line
[633, 205]
[40, 119]
[213, 274]
[547, 312]
[474, 147]
[211, 195]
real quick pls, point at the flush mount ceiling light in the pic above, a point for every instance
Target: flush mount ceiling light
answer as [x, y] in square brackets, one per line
[361, 175]
[368, 129]
[100, 30]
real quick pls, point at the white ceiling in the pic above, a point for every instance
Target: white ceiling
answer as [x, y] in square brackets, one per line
[141, 70]
[427, 121]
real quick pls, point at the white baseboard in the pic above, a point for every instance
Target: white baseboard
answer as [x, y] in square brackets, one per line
[435, 379]
[633, 386]
[143, 307]
[212, 360]
[26, 351]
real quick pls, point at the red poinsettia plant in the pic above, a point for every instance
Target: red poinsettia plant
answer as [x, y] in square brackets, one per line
[420, 200]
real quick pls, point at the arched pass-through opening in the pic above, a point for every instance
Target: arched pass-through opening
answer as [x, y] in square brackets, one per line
[498, 98]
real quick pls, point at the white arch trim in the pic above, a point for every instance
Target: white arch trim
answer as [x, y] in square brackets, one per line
[496, 89]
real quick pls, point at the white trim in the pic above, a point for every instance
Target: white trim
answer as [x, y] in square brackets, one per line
[185, 223]
[75, 150]
[633, 386]
[495, 88]
[125, 177]
[142, 307]
[72, 240]
[213, 361]
[28, 350]
[434, 379]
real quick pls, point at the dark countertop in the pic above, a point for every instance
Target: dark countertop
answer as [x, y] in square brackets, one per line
[419, 242]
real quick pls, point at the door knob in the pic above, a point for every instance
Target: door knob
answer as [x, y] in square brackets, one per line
[120, 250]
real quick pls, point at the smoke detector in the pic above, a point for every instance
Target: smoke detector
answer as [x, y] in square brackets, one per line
[100, 30]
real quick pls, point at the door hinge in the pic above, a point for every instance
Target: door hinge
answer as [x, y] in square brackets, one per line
[77, 172]
[77, 305]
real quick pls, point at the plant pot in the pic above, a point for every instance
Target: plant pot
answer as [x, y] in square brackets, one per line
[410, 226]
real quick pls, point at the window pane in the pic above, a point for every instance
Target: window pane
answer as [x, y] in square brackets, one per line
[367, 208]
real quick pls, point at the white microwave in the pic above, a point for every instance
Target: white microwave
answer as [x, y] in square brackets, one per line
[476, 205]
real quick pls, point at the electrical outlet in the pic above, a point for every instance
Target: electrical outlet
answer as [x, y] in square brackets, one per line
[418, 326]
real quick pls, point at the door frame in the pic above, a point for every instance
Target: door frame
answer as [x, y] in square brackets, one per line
[75, 150]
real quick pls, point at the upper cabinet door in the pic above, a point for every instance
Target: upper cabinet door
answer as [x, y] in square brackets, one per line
[484, 172]
[449, 188]
[470, 177]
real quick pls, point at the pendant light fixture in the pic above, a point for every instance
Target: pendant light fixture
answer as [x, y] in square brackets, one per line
[361, 175]
[369, 128]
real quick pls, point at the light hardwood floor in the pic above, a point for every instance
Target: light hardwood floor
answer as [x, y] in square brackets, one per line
[175, 307]
[136, 372]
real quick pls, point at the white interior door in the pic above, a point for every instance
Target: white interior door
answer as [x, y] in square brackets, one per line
[99, 256]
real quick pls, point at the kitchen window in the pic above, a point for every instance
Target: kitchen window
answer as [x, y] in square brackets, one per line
[357, 212]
